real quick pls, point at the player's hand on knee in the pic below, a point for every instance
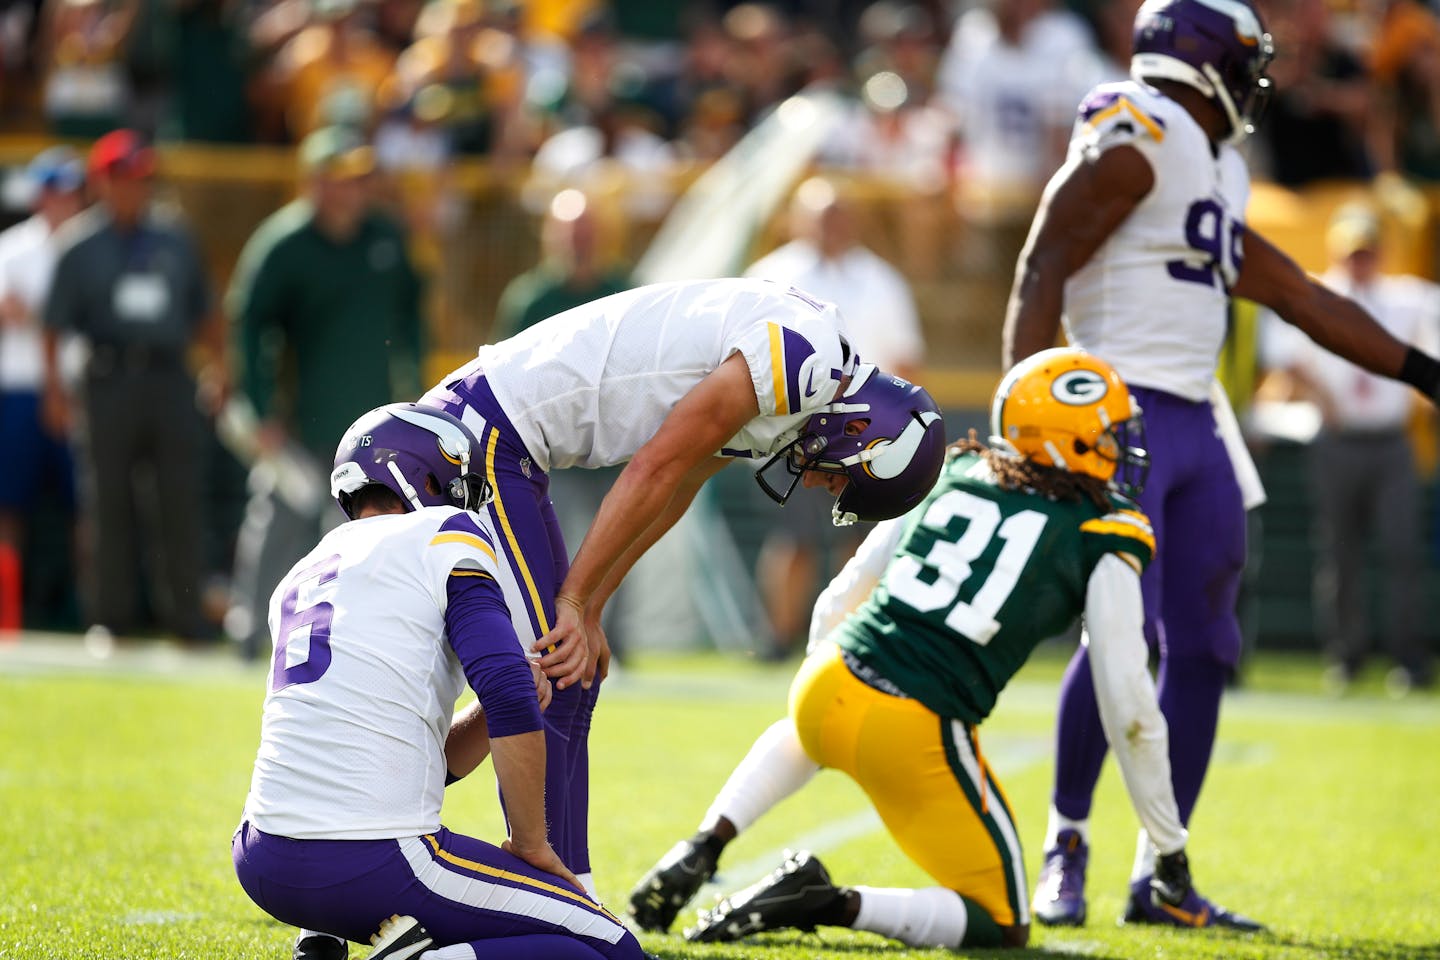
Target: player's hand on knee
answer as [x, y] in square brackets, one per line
[599, 665]
[565, 652]
[542, 857]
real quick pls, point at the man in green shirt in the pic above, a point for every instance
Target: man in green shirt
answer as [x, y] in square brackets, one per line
[325, 305]
[912, 644]
[571, 271]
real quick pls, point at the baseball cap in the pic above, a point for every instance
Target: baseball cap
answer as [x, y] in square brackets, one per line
[58, 168]
[121, 153]
[336, 152]
[1354, 227]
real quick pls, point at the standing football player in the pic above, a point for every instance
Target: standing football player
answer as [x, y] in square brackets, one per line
[376, 632]
[911, 646]
[1140, 242]
[674, 380]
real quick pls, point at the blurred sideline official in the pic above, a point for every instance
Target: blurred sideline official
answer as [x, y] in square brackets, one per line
[133, 285]
[1362, 463]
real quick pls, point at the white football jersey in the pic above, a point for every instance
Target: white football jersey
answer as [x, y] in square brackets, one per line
[588, 387]
[1153, 300]
[364, 681]
[880, 319]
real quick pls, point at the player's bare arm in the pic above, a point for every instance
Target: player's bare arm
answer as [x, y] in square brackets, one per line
[711, 413]
[598, 643]
[1078, 214]
[468, 743]
[1336, 323]
[520, 772]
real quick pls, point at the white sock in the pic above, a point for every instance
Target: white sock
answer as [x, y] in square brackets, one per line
[1058, 822]
[1145, 854]
[458, 951]
[775, 767]
[587, 880]
[933, 917]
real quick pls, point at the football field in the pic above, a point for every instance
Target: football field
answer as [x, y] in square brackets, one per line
[121, 782]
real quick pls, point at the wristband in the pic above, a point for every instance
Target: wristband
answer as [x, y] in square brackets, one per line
[1422, 372]
[571, 601]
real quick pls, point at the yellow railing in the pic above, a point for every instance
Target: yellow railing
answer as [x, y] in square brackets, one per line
[226, 191]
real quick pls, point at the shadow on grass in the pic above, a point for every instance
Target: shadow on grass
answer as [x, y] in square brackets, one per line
[807, 945]
[1345, 948]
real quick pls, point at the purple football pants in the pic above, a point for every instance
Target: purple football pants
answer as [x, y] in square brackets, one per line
[461, 889]
[1190, 588]
[529, 534]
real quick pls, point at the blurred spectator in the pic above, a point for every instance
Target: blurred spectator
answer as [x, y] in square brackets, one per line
[571, 271]
[326, 309]
[760, 61]
[86, 92]
[209, 54]
[826, 259]
[395, 23]
[331, 71]
[463, 77]
[1114, 25]
[907, 144]
[899, 38]
[1317, 124]
[1405, 61]
[1363, 470]
[1013, 75]
[134, 287]
[707, 112]
[39, 460]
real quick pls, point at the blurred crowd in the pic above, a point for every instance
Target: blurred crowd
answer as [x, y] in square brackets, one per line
[962, 106]
[985, 89]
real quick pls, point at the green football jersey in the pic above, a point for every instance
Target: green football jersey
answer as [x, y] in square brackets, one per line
[980, 576]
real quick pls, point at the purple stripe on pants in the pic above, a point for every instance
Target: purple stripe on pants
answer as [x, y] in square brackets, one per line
[461, 889]
[534, 548]
[1194, 505]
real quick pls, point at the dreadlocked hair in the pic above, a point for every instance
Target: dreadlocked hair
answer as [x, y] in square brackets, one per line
[1019, 473]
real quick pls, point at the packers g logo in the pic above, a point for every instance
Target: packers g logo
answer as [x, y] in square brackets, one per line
[1079, 388]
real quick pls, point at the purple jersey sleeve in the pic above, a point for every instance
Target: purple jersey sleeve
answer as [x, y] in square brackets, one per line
[478, 624]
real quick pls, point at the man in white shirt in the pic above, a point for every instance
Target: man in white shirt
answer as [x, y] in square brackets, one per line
[377, 631]
[1365, 481]
[37, 454]
[826, 259]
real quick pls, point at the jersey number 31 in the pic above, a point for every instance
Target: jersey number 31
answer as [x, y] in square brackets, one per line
[953, 560]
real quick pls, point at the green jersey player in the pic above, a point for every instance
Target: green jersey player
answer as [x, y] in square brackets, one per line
[910, 648]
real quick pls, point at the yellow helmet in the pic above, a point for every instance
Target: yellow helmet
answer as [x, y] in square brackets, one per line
[1069, 409]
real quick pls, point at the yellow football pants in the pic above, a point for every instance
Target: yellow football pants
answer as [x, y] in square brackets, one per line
[925, 776]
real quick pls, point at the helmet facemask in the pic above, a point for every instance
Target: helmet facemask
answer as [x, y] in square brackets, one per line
[883, 435]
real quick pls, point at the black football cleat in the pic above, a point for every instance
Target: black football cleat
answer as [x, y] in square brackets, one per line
[663, 892]
[796, 896]
[317, 946]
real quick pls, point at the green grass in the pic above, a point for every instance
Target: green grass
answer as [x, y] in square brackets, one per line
[120, 784]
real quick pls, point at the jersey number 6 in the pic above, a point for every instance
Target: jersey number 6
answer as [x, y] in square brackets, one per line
[953, 561]
[313, 620]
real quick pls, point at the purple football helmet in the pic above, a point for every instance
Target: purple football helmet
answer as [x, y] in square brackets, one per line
[884, 434]
[1219, 47]
[421, 454]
